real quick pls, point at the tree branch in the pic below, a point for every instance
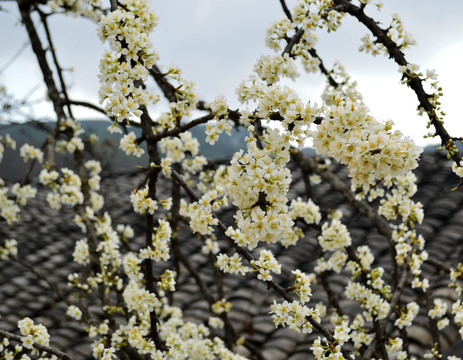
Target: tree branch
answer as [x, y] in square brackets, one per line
[16, 338]
[413, 81]
[167, 88]
[286, 10]
[180, 129]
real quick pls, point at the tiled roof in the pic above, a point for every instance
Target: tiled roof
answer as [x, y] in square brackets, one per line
[46, 241]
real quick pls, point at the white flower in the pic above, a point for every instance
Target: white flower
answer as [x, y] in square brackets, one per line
[266, 264]
[29, 152]
[334, 236]
[8, 249]
[129, 146]
[219, 106]
[232, 264]
[138, 299]
[74, 312]
[142, 203]
[81, 253]
[221, 306]
[48, 177]
[439, 309]
[33, 333]
[407, 316]
[271, 67]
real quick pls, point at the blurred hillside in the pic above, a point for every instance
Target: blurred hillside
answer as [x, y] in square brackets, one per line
[107, 149]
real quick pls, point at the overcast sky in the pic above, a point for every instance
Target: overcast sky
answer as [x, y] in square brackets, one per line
[216, 43]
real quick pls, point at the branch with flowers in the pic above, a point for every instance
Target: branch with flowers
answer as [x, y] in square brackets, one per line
[133, 284]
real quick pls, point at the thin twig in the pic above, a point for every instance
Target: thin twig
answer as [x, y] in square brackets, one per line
[52, 286]
[86, 104]
[16, 338]
[51, 48]
[14, 57]
[180, 129]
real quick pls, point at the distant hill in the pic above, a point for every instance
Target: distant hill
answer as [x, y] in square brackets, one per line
[107, 151]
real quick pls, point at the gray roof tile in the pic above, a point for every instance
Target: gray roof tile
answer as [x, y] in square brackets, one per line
[49, 247]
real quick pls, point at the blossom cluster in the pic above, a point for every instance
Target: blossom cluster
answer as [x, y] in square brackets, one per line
[101, 245]
[139, 299]
[127, 29]
[370, 300]
[302, 285]
[74, 312]
[91, 9]
[306, 210]
[308, 17]
[458, 169]
[344, 85]
[398, 202]
[6, 141]
[438, 311]
[32, 333]
[231, 264]
[335, 262]
[269, 68]
[159, 249]
[210, 246]
[67, 188]
[457, 311]
[221, 123]
[329, 351]
[200, 213]
[359, 334]
[221, 306]
[334, 236]
[74, 142]
[81, 254]
[184, 150]
[395, 32]
[293, 314]
[407, 315]
[29, 152]
[9, 204]
[23, 193]
[280, 101]
[185, 102]
[265, 265]
[141, 201]
[368, 147]
[258, 182]
[8, 249]
[167, 281]
[129, 145]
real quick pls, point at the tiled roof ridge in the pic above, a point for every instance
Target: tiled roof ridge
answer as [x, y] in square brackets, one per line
[50, 248]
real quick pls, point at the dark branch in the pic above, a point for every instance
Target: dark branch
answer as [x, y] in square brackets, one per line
[166, 87]
[414, 82]
[16, 338]
[286, 10]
